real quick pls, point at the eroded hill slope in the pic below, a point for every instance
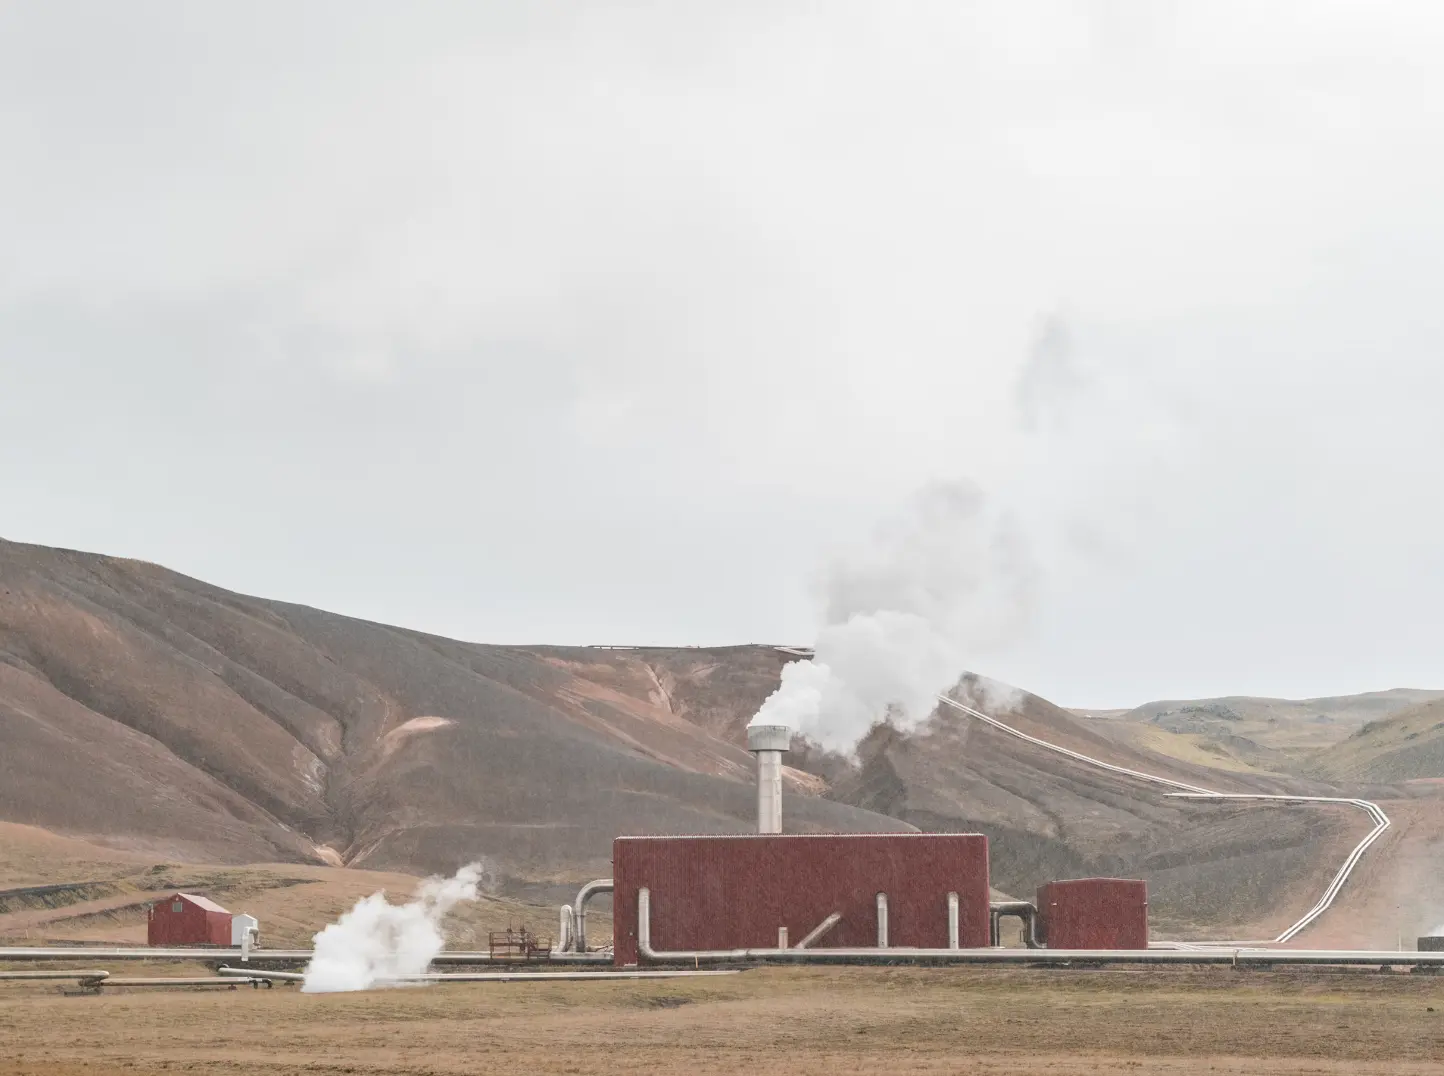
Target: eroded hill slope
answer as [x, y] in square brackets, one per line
[152, 712]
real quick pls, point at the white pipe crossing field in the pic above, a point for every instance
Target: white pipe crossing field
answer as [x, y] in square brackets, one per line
[1236, 957]
[1186, 791]
[486, 976]
[256, 956]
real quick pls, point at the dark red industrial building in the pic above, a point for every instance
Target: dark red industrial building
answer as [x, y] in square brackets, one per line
[715, 897]
[736, 892]
[186, 919]
[1093, 913]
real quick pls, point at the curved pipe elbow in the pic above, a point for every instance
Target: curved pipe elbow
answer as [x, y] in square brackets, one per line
[579, 912]
[1019, 909]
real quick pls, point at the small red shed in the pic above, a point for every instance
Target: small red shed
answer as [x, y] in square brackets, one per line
[1094, 913]
[186, 919]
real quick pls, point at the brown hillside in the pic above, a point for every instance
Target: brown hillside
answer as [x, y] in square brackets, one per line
[1406, 747]
[156, 712]
[1051, 817]
[150, 712]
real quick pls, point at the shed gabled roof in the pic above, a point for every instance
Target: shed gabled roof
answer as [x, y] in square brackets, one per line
[204, 903]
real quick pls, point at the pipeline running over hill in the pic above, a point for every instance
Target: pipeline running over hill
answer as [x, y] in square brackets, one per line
[1187, 791]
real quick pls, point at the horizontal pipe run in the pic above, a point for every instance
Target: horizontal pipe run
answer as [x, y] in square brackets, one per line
[187, 981]
[257, 956]
[1055, 957]
[1235, 957]
[252, 973]
[558, 976]
[82, 976]
[485, 958]
[489, 976]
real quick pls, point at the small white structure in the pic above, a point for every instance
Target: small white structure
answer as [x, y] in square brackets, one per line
[245, 931]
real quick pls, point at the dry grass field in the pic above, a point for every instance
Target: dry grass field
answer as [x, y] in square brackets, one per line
[783, 1021]
[293, 901]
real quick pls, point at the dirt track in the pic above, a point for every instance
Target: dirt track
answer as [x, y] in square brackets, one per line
[794, 1021]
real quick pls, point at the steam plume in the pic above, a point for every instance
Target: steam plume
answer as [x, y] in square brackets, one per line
[947, 577]
[378, 942]
[956, 575]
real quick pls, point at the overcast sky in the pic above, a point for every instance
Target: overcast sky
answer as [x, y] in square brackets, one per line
[594, 322]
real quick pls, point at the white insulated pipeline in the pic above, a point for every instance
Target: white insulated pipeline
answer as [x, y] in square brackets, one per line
[1375, 812]
[1237, 957]
[577, 914]
[1187, 791]
[558, 976]
[1023, 910]
[258, 956]
[565, 927]
[270, 976]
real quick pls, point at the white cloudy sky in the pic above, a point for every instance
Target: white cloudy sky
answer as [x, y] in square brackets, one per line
[604, 322]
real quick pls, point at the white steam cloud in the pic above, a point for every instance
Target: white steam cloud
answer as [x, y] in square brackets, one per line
[958, 574]
[378, 942]
[948, 577]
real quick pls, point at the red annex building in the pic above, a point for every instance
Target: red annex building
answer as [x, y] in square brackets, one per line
[186, 919]
[1094, 913]
[735, 892]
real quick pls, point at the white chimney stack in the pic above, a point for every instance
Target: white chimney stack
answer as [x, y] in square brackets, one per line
[768, 742]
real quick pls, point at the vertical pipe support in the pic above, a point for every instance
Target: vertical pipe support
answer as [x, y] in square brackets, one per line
[644, 921]
[952, 921]
[564, 930]
[882, 921]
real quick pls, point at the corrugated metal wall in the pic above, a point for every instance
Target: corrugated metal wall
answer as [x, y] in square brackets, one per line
[1094, 913]
[734, 892]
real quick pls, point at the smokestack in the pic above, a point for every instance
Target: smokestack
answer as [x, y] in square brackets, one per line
[768, 742]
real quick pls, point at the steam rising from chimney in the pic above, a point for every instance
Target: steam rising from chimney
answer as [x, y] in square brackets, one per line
[954, 576]
[947, 577]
